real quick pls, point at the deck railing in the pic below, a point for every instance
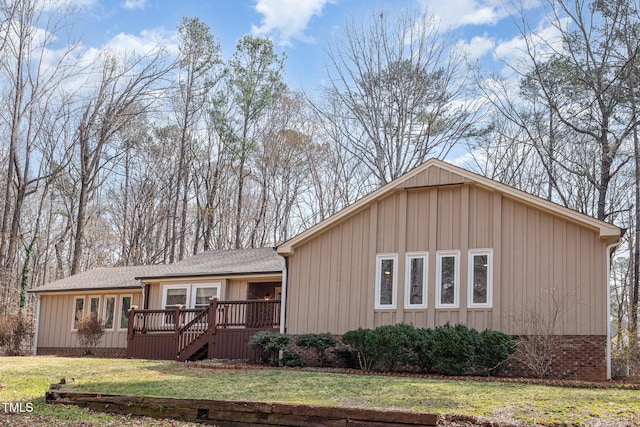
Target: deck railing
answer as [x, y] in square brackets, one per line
[182, 327]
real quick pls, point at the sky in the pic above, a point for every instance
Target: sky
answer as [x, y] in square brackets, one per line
[302, 29]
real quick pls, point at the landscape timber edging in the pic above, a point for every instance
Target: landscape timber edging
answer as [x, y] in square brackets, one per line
[230, 413]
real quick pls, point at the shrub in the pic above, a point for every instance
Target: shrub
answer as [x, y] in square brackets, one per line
[423, 349]
[393, 345]
[493, 350]
[361, 341]
[291, 359]
[347, 357]
[271, 343]
[319, 342]
[90, 331]
[454, 349]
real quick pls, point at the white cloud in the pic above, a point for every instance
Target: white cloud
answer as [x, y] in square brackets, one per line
[540, 42]
[134, 4]
[477, 47]
[287, 19]
[457, 13]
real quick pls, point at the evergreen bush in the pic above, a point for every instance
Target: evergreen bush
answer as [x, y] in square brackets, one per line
[393, 346]
[319, 342]
[493, 350]
[361, 341]
[454, 349]
[271, 343]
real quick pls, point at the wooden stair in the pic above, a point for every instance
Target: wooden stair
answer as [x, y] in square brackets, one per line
[194, 335]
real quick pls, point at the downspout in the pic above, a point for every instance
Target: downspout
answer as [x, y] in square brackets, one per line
[283, 298]
[609, 253]
[35, 340]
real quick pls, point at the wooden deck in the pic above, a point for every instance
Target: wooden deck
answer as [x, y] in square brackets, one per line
[221, 331]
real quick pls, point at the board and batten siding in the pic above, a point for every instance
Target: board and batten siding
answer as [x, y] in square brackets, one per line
[538, 258]
[57, 313]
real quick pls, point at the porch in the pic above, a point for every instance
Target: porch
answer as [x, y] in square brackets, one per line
[220, 331]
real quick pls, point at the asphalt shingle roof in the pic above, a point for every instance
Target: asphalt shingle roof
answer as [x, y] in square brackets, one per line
[210, 263]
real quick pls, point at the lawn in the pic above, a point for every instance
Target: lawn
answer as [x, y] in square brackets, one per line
[25, 379]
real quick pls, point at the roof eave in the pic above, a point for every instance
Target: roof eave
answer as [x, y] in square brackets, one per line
[85, 289]
[200, 275]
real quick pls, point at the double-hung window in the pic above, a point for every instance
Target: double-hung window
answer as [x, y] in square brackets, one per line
[386, 281]
[447, 279]
[415, 291]
[480, 278]
[202, 294]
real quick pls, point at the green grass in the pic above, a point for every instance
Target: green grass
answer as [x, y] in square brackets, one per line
[27, 378]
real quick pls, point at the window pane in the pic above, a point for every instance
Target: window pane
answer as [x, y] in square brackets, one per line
[124, 312]
[176, 296]
[109, 307]
[79, 307]
[480, 269]
[448, 280]
[94, 306]
[386, 282]
[417, 281]
[203, 296]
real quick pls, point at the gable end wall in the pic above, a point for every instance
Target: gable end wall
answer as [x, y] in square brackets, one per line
[539, 261]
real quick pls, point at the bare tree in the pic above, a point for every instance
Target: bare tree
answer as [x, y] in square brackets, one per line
[123, 91]
[399, 85]
[198, 59]
[34, 112]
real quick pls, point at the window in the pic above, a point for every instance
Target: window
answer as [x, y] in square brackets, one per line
[125, 306]
[203, 293]
[109, 311]
[480, 278]
[174, 296]
[94, 306]
[415, 292]
[78, 310]
[447, 282]
[386, 281]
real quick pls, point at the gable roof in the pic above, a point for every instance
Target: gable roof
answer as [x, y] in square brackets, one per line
[433, 173]
[210, 263]
[223, 263]
[102, 278]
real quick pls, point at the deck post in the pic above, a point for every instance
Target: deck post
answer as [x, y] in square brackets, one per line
[132, 319]
[212, 315]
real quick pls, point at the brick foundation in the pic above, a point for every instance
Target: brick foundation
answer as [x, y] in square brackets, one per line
[78, 352]
[577, 357]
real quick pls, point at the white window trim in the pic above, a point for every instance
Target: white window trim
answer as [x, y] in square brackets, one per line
[91, 298]
[73, 314]
[119, 310]
[104, 311]
[197, 286]
[489, 254]
[165, 288]
[456, 283]
[394, 292]
[407, 279]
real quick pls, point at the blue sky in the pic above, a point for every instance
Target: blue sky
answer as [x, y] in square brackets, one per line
[300, 28]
